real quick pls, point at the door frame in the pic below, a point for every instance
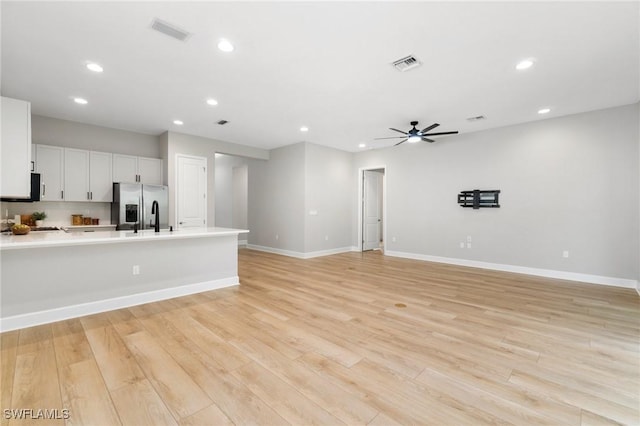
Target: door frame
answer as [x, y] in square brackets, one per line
[361, 171]
[177, 187]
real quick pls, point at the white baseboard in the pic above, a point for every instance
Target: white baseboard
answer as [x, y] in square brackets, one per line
[66, 312]
[300, 255]
[549, 273]
[242, 243]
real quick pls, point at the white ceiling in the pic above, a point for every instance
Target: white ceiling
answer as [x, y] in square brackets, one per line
[325, 65]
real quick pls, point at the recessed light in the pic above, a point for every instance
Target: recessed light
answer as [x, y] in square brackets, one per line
[524, 64]
[362, 145]
[304, 129]
[225, 45]
[212, 102]
[544, 110]
[80, 101]
[178, 122]
[94, 67]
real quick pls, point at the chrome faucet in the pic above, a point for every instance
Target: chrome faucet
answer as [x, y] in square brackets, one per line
[156, 210]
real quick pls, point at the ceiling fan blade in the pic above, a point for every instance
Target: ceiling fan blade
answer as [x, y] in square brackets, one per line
[428, 140]
[441, 133]
[433, 126]
[393, 137]
[391, 128]
[401, 142]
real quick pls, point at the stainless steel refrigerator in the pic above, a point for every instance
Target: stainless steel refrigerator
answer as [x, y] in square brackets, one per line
[132, 205]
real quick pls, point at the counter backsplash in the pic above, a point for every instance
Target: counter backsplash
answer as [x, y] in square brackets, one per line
[59, 213]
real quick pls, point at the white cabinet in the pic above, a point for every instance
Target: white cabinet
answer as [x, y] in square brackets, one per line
[15, 148]
[150, 171]
[127, 168]
[87, 175]
[76, 174]
[50, 165]
[100, 176]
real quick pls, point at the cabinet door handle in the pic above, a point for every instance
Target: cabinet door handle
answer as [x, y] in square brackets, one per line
[88, 196]
[62, 195]
[91, 195]
[44, 189]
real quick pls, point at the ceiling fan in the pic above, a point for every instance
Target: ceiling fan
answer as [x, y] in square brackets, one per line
[415, 135]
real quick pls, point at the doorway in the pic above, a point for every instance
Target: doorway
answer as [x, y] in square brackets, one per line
[372, 211]
[231, 192]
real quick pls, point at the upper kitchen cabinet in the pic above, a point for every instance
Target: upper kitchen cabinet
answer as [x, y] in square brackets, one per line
[150, 170]
[100, 176]
[87, 175]
[50, 165]
[127, 168]
[15, 149]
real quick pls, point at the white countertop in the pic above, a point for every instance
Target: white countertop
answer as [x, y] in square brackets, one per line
[61, 238]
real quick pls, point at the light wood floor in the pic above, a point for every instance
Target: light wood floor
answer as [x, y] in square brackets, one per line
[346, 339]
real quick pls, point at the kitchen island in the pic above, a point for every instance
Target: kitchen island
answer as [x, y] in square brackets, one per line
[51, 276]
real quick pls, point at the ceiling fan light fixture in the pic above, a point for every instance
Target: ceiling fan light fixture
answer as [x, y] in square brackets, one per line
[414, 139]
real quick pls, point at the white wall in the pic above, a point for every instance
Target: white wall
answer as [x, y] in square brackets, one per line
[330, 186]
[296, 181]
[240, 197]
[225, 190]
[277, 199]
[568, 183]
[70, 134]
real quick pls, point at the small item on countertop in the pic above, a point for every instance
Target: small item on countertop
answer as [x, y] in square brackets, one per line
[95, 221]
[87, 221]
[26, 219]
[20, 229]
[76, 219]
[16, 219]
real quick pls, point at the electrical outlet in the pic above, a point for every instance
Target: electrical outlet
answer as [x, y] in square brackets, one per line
[468, 245]
[468, 238]
[393, 239]
[277, 237]
[565, 253]
[136, 269]
[326, 238]
[461, 245]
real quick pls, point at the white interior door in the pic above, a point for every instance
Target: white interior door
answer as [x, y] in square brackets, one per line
[371, 211]
[191, 194]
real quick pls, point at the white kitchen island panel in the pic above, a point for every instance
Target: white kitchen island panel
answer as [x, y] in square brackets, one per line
[58, 276]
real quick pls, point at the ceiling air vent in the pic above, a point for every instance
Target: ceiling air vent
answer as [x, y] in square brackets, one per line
[222, 122]
[477, 118]
[170, 30]
[406, 63]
